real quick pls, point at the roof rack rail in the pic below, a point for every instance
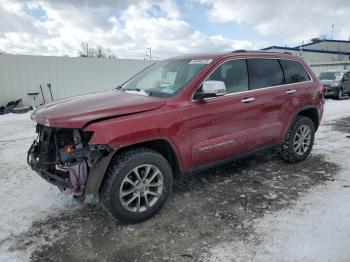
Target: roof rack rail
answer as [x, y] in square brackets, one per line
[239, 51]
[276, 52]
[267, 51]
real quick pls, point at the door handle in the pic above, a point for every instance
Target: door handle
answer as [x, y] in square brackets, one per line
[248, 100]
[289, 92]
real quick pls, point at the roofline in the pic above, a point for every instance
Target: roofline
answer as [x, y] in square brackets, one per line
[337, 70]
[221, 55]
[324, 40]
[306, 50]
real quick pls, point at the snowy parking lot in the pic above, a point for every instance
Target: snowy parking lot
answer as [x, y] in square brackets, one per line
[256, 209]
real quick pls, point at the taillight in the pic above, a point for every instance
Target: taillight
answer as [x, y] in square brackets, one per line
[321, 94]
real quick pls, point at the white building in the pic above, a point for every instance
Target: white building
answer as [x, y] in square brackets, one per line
[321, 55]
[68, 76]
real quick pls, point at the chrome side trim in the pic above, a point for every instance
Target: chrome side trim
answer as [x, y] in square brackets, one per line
[216, 145]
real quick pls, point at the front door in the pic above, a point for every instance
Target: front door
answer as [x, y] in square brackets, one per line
[220, 126]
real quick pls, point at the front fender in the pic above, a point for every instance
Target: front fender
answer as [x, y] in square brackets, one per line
[96, 175]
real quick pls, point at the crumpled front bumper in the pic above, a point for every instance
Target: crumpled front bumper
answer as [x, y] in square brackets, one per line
[36, 165]
[97, 161]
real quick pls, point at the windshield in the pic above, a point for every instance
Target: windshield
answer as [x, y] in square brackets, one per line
[330, 76]
[165, 78]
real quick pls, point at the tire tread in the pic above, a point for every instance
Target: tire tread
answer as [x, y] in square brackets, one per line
[287, 150]
[116, 164]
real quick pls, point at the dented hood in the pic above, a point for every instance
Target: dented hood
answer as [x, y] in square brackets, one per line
[77, 112]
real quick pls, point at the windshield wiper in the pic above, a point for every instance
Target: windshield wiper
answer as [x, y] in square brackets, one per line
[138, 90]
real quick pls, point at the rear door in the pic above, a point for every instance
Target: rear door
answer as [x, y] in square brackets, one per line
[272, 103]
[300, 89]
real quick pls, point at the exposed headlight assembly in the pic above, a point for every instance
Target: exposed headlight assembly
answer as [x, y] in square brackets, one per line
[334, 85]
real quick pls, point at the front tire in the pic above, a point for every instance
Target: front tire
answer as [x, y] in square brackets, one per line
[299, 140]
[137, 185]
[340, 94]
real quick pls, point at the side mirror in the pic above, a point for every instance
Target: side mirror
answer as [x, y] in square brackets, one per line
[211, 88]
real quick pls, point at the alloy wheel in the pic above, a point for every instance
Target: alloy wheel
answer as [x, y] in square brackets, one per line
[302, 140]
[141, 188]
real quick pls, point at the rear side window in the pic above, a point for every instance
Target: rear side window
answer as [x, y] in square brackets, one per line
[264, 73]
[294, 72]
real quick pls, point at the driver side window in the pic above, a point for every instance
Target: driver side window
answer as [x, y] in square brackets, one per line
[234, 74]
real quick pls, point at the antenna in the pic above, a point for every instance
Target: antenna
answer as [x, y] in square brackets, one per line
[332, 31]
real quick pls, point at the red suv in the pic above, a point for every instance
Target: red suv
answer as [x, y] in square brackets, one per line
[178, 116]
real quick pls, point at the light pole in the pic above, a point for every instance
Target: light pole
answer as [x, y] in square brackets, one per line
[332, 31]
[149, 53]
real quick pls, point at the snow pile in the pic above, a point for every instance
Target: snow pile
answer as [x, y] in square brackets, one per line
[25, 197]
[317, 228]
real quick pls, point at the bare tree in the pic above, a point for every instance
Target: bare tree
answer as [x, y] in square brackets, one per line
[84, 49]
[98, 52]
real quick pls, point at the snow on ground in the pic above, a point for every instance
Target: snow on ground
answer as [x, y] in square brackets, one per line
[317, 228]
[24, 196]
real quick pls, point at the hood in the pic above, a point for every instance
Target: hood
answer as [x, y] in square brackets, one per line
[77, 112]
[329, 82]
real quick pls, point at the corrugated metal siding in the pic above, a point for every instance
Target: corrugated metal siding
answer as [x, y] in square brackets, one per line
[321, 67]
[313, 57]
[68, 76]
[330, 46]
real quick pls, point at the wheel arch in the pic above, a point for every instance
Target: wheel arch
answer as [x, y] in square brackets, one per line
[162, 146]
[310, 112]
[97, 174]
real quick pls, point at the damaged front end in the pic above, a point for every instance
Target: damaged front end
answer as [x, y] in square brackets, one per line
[63, 157]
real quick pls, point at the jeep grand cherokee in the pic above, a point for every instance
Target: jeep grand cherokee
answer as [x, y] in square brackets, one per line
[178, 116]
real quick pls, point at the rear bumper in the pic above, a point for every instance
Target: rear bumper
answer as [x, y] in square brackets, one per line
[331, 94]
[331, 91]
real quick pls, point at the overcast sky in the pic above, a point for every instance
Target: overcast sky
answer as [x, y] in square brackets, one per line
[170, 27]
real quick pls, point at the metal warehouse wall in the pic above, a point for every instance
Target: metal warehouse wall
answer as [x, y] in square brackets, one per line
[321, 67]
[330, 46]
[20, 74]
[312, 57]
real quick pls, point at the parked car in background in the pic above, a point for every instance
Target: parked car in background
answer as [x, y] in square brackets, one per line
[179, 116]
[336, 83]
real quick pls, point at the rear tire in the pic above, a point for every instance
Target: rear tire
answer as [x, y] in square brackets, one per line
[137, 185]
[299, 141]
